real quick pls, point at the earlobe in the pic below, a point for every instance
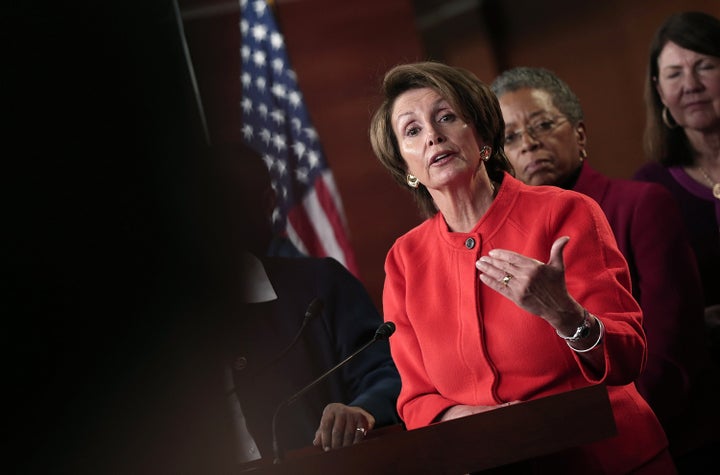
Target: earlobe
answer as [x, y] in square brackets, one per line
[581, 134]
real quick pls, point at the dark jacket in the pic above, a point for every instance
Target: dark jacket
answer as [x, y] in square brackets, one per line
[701, 216]
[348, 321]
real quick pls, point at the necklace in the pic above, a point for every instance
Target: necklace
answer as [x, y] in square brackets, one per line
[715, 185]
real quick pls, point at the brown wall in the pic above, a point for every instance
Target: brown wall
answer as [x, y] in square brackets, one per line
[598, 48]
[340, 50]
[339, 61]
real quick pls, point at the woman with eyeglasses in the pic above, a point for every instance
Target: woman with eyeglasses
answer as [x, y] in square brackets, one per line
[506, 292]
[546, 142]
[682, 138]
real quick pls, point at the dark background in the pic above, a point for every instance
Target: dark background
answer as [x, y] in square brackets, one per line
[113, 287]
[116, 257]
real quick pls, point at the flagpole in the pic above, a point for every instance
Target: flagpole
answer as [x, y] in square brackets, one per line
[191, 71]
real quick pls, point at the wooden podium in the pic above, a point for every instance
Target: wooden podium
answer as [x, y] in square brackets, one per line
[483, 441]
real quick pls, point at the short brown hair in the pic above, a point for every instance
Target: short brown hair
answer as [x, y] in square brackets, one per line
[470, 98]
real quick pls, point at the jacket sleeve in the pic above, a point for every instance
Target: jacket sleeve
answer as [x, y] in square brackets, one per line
[597, 277]
[371, 378]
[671, 298]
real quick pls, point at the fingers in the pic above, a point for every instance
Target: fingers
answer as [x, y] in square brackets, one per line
[343, 434]
[512, 259]
[534, 286]
[341, 426]
[556, 253]
[498, 272]
[359, 434]
[501, 264]
[324, 433]
[499, 284]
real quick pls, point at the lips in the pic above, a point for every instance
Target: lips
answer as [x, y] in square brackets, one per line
[692, 104]
[438, 157]
[538, 165]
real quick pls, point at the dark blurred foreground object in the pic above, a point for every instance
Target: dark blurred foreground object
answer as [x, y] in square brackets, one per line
[113, 304]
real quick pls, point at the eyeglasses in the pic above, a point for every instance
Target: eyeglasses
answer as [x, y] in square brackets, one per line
[537, 129]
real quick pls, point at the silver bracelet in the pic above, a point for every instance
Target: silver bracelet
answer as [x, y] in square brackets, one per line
[581, 331]
[597, 342]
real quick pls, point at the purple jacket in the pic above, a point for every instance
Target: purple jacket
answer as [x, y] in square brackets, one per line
[650, 233]
[701, 213]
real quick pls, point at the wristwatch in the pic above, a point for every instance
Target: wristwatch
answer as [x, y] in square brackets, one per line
[581, 331]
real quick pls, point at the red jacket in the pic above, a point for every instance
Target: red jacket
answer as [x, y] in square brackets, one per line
[460, 342]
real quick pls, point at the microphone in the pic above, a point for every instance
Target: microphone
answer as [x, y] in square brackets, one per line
[314, 309]
[382, 333]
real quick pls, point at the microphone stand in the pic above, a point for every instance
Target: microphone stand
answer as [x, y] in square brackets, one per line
[382, 333]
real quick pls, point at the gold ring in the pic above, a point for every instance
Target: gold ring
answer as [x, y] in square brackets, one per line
[506, 279]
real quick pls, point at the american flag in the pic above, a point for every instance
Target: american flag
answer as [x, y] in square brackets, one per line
[277, 125]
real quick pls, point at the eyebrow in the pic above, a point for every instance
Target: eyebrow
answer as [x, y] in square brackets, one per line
[672, 66]
[699, 59]
[435, 108]
[532, 115]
